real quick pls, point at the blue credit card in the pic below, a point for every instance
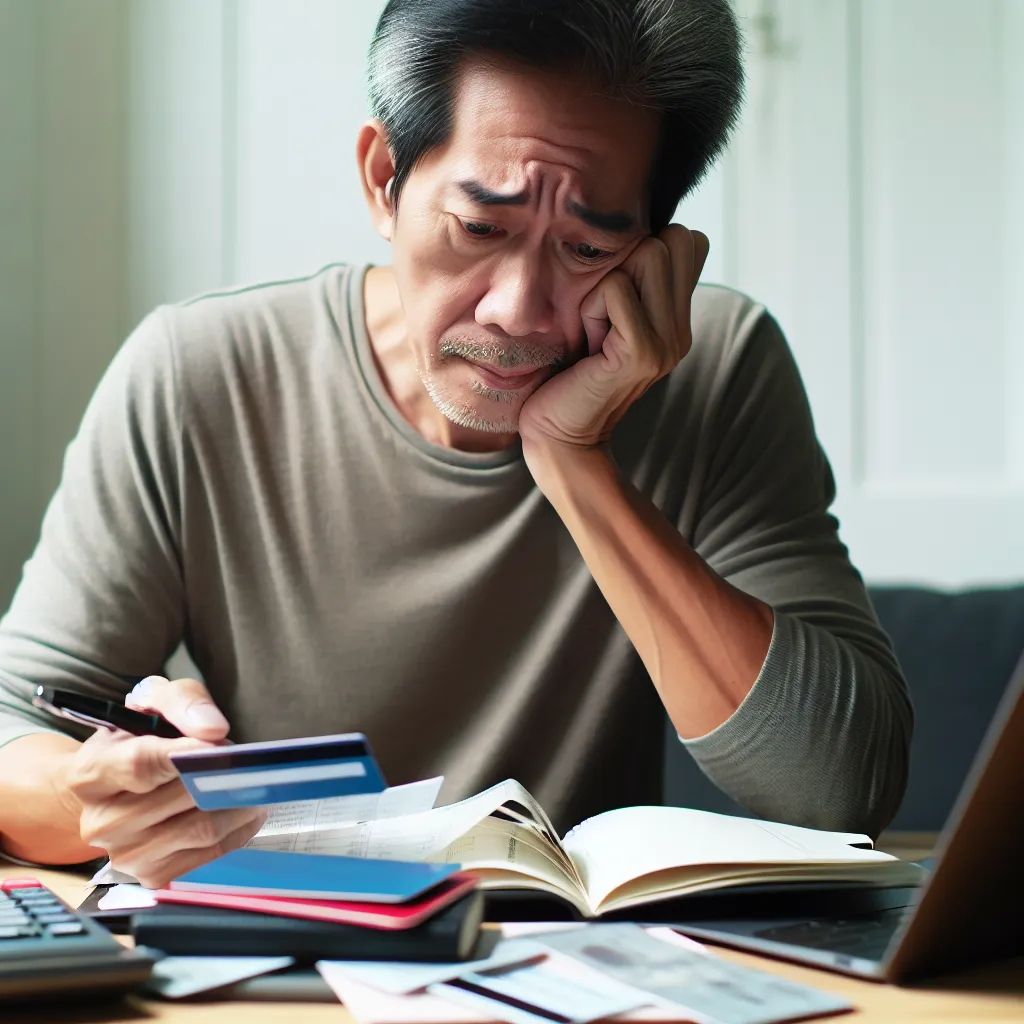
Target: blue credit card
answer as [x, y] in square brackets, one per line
[314, 876]
[279, 771]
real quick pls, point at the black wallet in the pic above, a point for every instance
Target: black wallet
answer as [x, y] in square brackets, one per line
[183, 930]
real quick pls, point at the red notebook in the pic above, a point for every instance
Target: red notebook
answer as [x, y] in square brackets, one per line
[390, 916]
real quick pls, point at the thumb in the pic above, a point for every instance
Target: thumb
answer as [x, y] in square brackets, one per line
[185, 703]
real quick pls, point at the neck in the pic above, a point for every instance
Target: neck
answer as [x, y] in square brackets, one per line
[395, 361]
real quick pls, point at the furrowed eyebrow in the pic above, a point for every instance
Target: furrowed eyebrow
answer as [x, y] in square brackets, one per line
[479, 194]
[616, 223]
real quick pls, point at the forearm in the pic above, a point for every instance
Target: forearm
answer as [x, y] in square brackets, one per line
[38, 816]
[702, 640]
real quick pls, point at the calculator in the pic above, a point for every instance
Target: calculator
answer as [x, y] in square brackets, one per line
[48, 950]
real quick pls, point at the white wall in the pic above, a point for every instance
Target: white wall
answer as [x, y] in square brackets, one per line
[873, 199]
[63, 86]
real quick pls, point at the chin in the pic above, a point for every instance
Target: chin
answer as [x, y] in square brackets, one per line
[482, 414]
[474, 405]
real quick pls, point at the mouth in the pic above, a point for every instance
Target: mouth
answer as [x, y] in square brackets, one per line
[502, 380]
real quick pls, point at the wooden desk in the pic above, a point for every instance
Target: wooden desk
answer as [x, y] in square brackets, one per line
[992, 994]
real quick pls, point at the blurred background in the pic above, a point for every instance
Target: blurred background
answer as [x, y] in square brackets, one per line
[873, 199]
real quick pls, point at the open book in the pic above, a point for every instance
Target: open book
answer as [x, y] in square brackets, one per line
[619, 859]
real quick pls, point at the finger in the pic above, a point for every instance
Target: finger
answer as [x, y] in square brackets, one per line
[117, 821]
[650, 267]
[185, 842]
[185, 703]
[689, 251]
[115, 763]
[680, 243]
[594, 314]
[642, 346]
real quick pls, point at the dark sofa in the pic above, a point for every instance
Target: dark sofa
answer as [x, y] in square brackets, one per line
[958, 652]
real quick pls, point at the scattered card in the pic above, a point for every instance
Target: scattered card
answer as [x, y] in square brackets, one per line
[548, 991]
[177, 977]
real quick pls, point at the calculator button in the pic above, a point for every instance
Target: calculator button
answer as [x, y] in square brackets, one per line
[55, 917]
[71, 928]
[17, 932]
[19, 894]
[37, 901]
[13, 917]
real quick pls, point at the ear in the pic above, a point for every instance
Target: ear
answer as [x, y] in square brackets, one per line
[376, 171]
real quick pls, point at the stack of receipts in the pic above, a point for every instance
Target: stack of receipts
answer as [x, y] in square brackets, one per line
[576, 974]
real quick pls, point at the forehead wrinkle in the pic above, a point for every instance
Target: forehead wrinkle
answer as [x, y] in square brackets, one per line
[529, 181]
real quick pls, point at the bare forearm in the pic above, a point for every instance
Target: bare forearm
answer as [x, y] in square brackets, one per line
[702, 641]
[38, 817]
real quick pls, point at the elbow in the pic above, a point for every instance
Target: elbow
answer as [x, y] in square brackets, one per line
[857, 786]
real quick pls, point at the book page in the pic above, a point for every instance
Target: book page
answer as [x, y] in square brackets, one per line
[616, 847]
[503, 855]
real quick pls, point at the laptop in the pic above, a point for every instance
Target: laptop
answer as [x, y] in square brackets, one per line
[970, 910]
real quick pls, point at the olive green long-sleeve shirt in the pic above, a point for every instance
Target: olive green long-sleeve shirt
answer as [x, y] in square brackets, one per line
[241, 481]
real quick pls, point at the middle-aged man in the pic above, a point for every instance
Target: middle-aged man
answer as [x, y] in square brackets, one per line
[475, 503]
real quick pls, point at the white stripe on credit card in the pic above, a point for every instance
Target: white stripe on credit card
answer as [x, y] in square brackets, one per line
[278, 776]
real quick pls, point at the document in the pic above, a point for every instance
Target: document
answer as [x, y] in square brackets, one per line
[556, 989]
[392, 993]
[405, 978]
[708, 986]
[303, 825]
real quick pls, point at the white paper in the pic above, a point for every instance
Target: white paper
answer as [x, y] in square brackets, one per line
[291, 826]
[126, 897]
[557, 985]
[701, 986]
[519, 929]
[371, 1006]
[404, 978]
[430, 835]
[175, 977]
[109, 875]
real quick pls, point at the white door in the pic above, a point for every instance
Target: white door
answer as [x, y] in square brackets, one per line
[874, 199]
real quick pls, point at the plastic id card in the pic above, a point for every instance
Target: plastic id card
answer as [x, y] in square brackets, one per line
[253, 774]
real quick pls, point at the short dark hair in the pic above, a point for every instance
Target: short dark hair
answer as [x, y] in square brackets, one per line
[680, 58]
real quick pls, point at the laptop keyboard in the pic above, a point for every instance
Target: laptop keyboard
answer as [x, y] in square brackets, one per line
[864, 937]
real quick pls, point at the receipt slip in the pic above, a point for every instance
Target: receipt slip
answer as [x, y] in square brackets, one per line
[280, 771]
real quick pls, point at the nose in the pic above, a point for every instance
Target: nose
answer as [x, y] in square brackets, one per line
[518, 300]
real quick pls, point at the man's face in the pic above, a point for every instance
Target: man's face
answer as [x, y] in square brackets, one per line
[539, 192]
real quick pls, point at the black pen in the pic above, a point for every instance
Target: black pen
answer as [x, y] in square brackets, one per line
[102, 714]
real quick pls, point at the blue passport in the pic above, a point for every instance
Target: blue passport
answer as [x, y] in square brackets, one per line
[315, 876]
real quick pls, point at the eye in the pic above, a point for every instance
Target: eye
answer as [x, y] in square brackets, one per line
[479, 230]
[588, 253]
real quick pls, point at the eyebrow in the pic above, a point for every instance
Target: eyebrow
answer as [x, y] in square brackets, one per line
[617, 223]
